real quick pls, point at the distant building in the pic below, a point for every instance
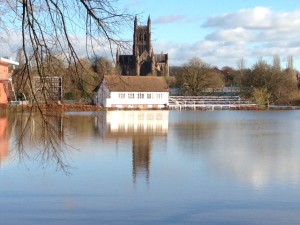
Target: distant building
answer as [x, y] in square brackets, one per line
[6, 88]
[132, 92]
[143, 61]
[48, 89]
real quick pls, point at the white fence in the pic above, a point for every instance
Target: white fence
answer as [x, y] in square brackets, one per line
[209, 102]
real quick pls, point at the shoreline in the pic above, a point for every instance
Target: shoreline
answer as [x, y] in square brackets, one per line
[59, 108]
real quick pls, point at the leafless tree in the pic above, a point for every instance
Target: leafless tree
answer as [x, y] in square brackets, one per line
[103, 66]
[50, 31]
[276, 62]
[51, 28]
[198, 76]
[271, 84]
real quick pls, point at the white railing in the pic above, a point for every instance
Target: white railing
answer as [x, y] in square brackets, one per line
[208, 102]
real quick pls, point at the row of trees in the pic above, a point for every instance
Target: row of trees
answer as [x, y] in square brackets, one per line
[79, 87]
[265, 83]
[49, 27]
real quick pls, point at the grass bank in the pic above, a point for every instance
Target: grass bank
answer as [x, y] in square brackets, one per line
[59, 108]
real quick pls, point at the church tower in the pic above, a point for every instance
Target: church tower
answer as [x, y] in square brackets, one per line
[142, 38]
[143, 61]
[142, 48]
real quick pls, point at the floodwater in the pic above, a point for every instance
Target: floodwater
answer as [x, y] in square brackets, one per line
[152, 167]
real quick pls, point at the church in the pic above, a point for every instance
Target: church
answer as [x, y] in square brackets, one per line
[143, 61]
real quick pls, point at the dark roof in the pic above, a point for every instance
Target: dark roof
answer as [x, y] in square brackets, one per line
[136, 83]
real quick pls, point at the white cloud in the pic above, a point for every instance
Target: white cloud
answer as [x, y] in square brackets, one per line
[248, 33]
[258, 17]
[261, 23]
[235, 35]
[253, 33]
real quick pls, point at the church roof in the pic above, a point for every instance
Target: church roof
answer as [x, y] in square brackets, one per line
[136, 83]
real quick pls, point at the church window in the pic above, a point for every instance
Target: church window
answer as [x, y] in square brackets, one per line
[149, 96]
[145, 37]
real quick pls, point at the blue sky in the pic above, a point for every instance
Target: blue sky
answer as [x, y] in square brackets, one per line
[222, 32]
[219, 32]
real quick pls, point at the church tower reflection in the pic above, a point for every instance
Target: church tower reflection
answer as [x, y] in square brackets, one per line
[141, 155]
[141, 127]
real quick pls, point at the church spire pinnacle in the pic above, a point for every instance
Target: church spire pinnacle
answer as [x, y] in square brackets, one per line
[135, 22]
[149, 23]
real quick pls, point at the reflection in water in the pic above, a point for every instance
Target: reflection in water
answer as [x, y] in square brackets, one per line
[41, 138]
[141, 154]
[255, 148]
[142, 127]
[3, 139]
[44, 139]
[241, 166]
[264, 152]
[36, 130]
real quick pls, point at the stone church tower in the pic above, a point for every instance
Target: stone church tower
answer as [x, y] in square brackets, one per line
[143, 61]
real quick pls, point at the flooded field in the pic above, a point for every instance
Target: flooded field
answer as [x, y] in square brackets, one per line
[151, 167]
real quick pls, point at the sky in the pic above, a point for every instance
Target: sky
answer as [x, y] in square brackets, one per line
[219, 32]
[222, 32]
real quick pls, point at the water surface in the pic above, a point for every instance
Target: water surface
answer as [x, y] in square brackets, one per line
[154, 167]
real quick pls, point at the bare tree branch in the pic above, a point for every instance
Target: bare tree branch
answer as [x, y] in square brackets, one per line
[50, 30]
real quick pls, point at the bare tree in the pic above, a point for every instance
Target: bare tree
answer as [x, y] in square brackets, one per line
[81, 90]
[276, 62]
[198, 76]
[290, 69]
[290, 62]
[270, 84]
[241, 66]
[50, 30]
[103, 66]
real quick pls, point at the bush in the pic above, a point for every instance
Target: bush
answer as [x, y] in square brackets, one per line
[261, 97]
